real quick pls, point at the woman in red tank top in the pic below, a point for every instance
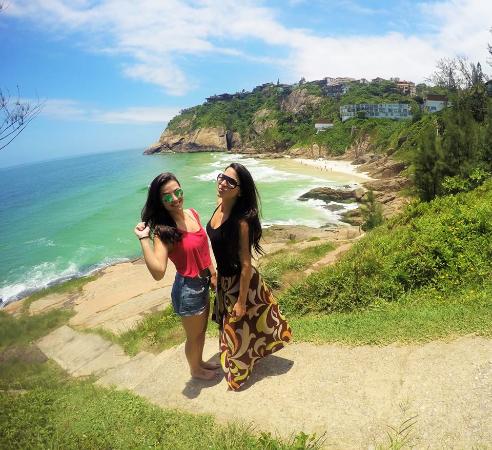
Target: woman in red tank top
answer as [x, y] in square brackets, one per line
[178, 235]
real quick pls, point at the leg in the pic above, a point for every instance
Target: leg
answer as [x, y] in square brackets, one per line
[195, 335]
[206, 365]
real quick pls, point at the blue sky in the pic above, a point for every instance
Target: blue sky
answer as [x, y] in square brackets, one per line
[111, 73]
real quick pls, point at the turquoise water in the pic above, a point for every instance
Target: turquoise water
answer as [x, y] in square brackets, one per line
[65, 218]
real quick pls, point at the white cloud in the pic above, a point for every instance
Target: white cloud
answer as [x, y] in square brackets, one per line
[156, 34]
[138, 115]
[71, 110]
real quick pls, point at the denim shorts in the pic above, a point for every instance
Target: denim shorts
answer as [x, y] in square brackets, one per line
[190, 295]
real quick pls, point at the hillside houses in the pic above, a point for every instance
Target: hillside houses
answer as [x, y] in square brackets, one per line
[378, 111]
[434, 103]
[322, 125]
[405, 87]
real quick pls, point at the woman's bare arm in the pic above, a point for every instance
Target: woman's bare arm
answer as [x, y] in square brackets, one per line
[155, 257]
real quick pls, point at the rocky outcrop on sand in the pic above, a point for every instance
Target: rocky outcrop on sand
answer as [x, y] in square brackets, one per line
[328, 194]
[202, 139]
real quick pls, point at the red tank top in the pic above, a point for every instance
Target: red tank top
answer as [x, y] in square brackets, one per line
[191, 255]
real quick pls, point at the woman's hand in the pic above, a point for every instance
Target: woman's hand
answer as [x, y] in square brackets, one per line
[141, 230]
[213, 281]
[239, 310]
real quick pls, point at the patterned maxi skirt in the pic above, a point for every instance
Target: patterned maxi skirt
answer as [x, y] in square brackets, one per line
[261, 331]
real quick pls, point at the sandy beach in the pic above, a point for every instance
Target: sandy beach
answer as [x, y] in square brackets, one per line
[335, 168]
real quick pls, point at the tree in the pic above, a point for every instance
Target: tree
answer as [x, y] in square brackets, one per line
[456, 74]
[428, 163]
[15, 114]
[490, 51]
[372, 212]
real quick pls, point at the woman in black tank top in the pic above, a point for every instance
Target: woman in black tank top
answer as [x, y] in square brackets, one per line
[250, 321]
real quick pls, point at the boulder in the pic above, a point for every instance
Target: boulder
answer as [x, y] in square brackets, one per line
[328, 194]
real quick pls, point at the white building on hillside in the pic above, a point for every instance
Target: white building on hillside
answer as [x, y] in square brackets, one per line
[378, 111]
[322, 125]
[434, 103]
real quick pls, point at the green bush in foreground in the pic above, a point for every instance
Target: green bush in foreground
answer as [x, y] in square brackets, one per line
[440, 245]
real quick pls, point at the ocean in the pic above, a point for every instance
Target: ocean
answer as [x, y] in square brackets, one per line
[67, 218]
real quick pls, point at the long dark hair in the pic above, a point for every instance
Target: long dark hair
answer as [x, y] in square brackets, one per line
[156, 216]
[247, 207]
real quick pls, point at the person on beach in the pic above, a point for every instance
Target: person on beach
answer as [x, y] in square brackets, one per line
[178, 235]
[250, 321]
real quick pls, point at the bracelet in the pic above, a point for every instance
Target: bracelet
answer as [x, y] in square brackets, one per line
[144, 237]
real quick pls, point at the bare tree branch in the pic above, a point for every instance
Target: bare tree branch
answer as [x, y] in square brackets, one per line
[15, 115]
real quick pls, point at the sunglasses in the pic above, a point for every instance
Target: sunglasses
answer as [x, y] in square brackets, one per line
[168, 198]
[231, 182]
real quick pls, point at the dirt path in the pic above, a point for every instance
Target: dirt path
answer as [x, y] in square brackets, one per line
[353, 394]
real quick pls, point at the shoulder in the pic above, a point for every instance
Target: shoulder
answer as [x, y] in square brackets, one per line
[193, 213]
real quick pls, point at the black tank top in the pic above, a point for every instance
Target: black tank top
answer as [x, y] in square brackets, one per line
[225, 244]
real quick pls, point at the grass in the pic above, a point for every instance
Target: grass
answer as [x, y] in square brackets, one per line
[276, 266]
[420, 317]
[26, 329]
[68, 287]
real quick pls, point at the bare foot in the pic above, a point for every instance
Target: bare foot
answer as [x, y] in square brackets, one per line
[209, 365]
[204, 374]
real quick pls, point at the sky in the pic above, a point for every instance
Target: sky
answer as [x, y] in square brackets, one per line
[110, 74]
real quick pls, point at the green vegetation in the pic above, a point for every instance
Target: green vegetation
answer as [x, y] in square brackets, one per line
[382, 92]
[421, 316]
[424, 274]
[372, 212]
[273, 267]
[454, 150]
[42, 407]
[25, 329]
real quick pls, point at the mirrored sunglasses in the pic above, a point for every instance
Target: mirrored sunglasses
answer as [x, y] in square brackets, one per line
[168, 198]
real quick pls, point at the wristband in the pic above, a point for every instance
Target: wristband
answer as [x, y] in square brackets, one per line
[144, 237]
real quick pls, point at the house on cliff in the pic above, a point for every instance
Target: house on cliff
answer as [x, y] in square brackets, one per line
[405, 87]
[434, 103]
[488, 85]
[398, 111]
[322, 125]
